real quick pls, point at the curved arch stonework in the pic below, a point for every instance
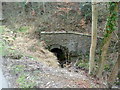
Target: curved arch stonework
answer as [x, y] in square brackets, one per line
[64, 49]
[72, 43]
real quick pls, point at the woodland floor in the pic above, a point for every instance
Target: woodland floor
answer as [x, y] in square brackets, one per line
[29, 73]
[28, 65]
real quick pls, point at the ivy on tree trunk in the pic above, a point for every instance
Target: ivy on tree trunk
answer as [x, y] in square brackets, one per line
[110, 28]
[116, 68]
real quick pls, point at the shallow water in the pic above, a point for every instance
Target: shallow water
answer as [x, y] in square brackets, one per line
[3, 81]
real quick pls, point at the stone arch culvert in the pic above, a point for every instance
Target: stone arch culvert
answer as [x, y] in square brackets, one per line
[60, 52]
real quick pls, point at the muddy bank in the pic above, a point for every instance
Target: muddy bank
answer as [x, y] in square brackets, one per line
[29, 73]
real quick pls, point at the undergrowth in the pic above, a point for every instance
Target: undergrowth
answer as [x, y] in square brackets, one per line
[24, 81]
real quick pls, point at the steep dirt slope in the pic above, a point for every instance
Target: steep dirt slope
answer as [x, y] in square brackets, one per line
[29, 73]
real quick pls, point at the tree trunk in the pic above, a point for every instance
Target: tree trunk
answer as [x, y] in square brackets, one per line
[111, 23]
[116, 68]
[94, 36]
[114, 73]
[119, 38]
[103, 55]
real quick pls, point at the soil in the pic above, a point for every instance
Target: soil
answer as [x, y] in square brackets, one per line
[27, 72]
[44, 76]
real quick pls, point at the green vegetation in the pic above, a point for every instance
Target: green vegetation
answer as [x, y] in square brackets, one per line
[27, 20]
[12, 53]
[83, 64]
[111, 20]
[86, 12]
[24, 82]
[109, 29]
[18, 68]
[23, 29]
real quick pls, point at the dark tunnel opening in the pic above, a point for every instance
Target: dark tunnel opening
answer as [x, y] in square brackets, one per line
[60, 55]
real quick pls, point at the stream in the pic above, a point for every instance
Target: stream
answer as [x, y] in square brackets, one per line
[3, 81]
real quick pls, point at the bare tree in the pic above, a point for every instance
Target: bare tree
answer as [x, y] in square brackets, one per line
[94, 36]
[116, 68]
[110, 27]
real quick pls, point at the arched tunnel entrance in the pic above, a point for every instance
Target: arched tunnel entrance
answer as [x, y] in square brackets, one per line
[60, 54]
